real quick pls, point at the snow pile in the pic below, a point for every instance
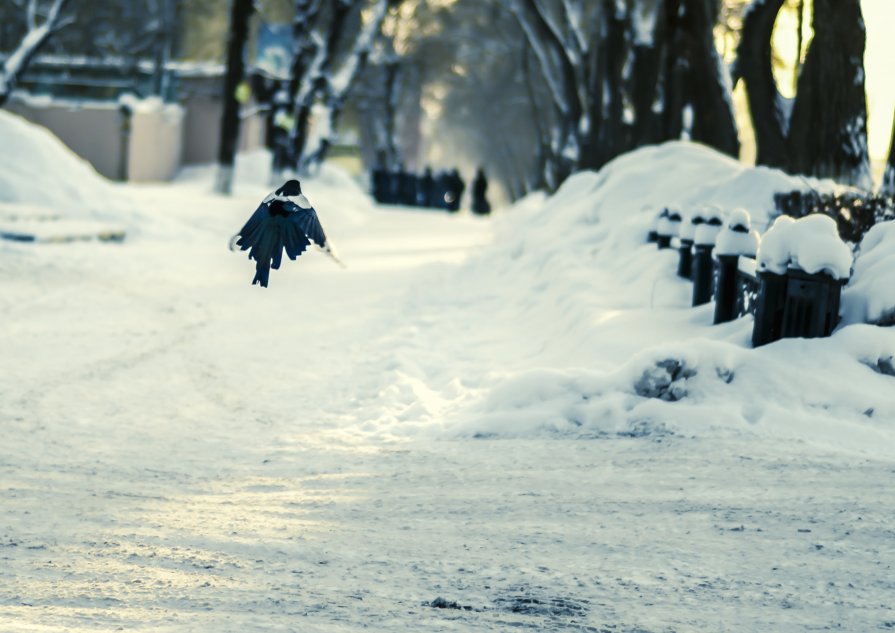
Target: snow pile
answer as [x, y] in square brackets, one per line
[571, 324]
[870, 295]
[36, 168]
[737, 236]
[811, 244]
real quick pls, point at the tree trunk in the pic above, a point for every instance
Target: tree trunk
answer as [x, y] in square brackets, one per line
[753, 66]
[559, 72]
[339, 87]
[613, 50]
[828, 129]
[305, 50]
[241, 13]
[645, 81]
[708, 81]
[319, 81]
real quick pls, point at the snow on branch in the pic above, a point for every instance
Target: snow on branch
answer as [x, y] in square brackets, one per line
[18, 61]
[543, 55]
[574, 13]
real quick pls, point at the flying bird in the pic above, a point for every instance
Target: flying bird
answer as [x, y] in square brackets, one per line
[284, 220]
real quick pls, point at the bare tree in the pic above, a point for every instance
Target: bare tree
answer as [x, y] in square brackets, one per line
[240, 14]
[754, 67]
[38, 32]
[828, 127]
[338, 85]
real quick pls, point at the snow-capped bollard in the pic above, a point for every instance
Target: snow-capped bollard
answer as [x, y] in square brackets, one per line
[666, 228]
[685, 251]
[736, 239]
[802, 265]
[703, 243]
[653, 235]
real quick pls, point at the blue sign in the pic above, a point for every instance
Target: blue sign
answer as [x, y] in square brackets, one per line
[274, 50]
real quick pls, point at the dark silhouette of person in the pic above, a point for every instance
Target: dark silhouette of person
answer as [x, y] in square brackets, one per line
[480, 205]
[426, 189]
[456, 186]
[379, 179]
[407, 188]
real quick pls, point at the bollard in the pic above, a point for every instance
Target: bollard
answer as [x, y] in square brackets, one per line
[652, 236]
[793, 302]
[686, 234]
[664, 230]
[685, 259]
[769, 306]
[726, 288]
[703, 243]
[703, 271]
[812, 304]
[734, 240]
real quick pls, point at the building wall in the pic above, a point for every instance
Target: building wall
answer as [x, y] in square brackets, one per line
[156, 139]
[157, 143]
[92, 130]
[202, 129]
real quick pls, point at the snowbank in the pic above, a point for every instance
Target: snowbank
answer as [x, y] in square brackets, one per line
[582, 328]
[870, 295]
[36, 168]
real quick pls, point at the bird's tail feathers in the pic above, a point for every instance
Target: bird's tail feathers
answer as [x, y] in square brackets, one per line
[262, 274]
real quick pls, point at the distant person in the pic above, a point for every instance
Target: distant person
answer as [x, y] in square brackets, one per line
[394, 185]
[407, 188]
[456, 186]
[480, 205]
[442, 196]
[379, 180]
[426, 189]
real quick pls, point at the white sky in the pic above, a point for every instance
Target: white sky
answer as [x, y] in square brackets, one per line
[879, 15]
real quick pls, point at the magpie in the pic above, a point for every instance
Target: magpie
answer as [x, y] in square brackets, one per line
[284, 220]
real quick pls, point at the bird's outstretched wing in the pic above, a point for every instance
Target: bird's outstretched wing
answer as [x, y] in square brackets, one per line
[277, 226]
[306, 220]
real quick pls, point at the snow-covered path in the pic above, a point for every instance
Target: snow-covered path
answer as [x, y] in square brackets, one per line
[185, 452]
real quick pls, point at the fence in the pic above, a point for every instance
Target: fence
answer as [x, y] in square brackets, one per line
[791, 303]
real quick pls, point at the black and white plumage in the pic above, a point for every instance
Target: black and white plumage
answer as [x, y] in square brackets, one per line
[284, 220]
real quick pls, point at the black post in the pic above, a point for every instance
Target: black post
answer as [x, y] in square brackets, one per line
[685, 261]
[241, 12]
[703, 270]
[769, 308]
[812, 304]
[726, 288]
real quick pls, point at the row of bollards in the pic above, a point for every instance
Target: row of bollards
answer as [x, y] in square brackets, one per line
[792, 287]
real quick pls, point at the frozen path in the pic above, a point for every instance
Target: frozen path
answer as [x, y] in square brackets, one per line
[184, 452]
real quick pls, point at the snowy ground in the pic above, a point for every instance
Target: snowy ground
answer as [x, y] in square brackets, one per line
[448, 421]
